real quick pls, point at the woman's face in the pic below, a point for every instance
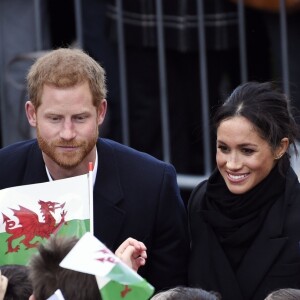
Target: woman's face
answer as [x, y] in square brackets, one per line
[243, 158]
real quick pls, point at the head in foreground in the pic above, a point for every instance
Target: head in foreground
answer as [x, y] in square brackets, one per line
[47, 276]
[284, 294]
[187, 293]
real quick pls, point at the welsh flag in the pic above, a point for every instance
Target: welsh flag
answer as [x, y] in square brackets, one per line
[30, 214]
[115, 279]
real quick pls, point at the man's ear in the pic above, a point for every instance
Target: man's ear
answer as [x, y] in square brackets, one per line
[30, 113]
[32, 297]
[101, 111]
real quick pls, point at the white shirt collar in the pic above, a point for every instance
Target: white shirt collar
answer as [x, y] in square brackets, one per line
[94, 170]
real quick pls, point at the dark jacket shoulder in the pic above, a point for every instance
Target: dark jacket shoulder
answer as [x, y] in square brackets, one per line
[21, 163]
[141, 166]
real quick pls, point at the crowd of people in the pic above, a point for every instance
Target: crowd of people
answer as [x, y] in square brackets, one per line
[238, 238]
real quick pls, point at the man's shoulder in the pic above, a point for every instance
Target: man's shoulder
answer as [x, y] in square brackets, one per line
[122, 151]
[19, 147]
[15, 154]
[129, 163]
[17, 160]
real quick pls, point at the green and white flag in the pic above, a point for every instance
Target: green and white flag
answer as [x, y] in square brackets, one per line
[30, 214]
[115, 279]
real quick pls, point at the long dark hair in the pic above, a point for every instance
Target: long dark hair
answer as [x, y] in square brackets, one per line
[266, 107]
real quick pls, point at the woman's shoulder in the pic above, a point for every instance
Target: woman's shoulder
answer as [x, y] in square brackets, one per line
[292, 186]
[197, 195]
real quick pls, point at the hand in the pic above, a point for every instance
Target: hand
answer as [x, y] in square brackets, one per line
[132, 253]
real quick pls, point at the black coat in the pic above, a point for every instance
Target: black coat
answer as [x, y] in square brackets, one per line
[271, 262]
[135, 195]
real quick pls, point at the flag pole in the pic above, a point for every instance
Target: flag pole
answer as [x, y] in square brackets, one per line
[91, 198]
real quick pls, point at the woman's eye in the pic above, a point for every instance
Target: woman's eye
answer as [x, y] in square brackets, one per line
[223, 148]
[247, 151]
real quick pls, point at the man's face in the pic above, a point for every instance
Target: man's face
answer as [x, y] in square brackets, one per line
[67, 124]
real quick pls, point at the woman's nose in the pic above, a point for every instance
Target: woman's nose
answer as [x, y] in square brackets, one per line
[233, 163]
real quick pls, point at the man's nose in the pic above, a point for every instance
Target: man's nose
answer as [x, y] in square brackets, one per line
[68, 130]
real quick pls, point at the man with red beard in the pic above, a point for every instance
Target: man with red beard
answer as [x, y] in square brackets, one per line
[135, 195]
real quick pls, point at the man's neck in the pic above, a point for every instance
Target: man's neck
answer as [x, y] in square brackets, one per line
[57, 172]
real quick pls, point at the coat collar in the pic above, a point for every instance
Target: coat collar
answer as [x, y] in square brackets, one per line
[268, 244]
[108, 193]
[244, 283]
[35, 171]
[108, 184]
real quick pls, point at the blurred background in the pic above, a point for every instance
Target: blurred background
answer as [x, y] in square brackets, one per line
[169, 64]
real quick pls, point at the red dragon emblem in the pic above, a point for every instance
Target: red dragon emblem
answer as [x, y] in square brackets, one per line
[30, 226]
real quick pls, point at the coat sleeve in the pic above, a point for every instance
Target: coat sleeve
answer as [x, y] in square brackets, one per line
[168, 258]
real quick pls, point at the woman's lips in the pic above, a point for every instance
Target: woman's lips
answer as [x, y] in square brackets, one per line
[237, 178]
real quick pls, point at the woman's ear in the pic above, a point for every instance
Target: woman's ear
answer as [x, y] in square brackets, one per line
[282, 148]
[30, 113]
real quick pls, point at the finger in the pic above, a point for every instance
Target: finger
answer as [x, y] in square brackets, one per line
[122, 247]
[130, 251]
[137, 244]
[141, 261]
[130, 242]
[143, 254]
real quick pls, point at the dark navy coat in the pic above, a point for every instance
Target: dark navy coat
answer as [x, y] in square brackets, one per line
[271, 262]
[135, 195]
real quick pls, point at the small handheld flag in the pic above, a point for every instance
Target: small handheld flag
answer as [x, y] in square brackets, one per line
[30, 214]
[115, 279]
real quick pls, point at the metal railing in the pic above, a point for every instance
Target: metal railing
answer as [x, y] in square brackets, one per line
[185, 180]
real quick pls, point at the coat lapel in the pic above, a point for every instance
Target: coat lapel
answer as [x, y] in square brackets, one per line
[108, 194]
[209, 267]
[227, 281]
[35, 170]
[263, 252]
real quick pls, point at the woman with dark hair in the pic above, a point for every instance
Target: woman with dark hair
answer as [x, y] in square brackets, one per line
[245, 219]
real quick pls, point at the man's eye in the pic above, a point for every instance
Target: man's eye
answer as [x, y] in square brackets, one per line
[80, 118]
[54, 118]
